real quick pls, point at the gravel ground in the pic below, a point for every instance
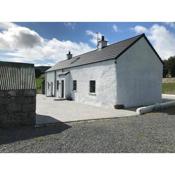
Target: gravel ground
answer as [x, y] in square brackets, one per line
[154, 132]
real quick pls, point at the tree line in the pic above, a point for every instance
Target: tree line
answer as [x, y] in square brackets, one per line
[169, 67]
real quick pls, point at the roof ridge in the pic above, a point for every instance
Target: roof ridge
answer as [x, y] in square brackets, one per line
[127, 39]
[140, 35]
[131, 44]
[133, 39]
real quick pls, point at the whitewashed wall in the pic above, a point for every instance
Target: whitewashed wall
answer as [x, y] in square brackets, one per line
[134, 81]
[67, 83]
[139, 76]
[50, 77]
[104, 73]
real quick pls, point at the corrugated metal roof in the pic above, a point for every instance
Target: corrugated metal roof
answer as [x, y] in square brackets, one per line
[15, 76]
[109, 52]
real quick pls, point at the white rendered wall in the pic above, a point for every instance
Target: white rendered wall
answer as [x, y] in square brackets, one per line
[104, 73]
[139, 76]
[50, 77]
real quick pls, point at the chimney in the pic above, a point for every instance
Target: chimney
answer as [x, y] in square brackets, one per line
[102, 43]
[69, 55]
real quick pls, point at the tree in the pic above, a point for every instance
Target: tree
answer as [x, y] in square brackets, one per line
[37, 73]
[171, 66]
[165, 69]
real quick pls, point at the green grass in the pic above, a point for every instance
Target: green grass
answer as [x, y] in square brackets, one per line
[168, 88]
[39, 84]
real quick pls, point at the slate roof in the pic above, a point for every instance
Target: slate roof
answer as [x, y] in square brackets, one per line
[64, 73]
[110, 52]
[14, 76]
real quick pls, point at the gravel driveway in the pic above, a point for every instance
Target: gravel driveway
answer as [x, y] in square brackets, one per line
[154, 132]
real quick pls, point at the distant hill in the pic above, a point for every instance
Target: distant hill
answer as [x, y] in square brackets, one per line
[39, 70]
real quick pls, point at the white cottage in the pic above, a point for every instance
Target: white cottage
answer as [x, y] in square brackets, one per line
[124, 74]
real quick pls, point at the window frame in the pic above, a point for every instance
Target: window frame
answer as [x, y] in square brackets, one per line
[74, 88]
[92, 91]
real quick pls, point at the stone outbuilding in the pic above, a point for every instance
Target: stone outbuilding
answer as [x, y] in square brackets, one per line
[124, 74]
[17, 94]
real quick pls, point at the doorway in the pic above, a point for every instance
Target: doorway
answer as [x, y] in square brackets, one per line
[52, 89]
[62, 88]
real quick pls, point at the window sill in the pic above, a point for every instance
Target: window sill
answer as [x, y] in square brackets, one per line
[91, 93]
[74, 90]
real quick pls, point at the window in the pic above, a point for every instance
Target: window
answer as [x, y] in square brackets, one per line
[74, 85]
[92, 86]
[48, 85]
[57, 85]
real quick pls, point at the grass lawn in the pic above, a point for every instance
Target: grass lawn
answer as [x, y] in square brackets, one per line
[168, 88]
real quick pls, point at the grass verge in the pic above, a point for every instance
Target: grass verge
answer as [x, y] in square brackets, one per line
[168, 88]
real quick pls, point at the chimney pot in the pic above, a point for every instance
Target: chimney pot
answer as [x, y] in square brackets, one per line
[69, 55]
[102, 43]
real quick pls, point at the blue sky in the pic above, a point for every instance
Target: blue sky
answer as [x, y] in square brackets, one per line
[48, 43]
[76, 31]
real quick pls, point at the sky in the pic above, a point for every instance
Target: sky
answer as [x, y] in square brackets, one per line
[48, 43]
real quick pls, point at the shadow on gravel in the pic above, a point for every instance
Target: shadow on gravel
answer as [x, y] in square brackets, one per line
[45, 119]
[9, 135]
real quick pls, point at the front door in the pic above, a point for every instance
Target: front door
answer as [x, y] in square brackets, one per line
[62, 88]
[57, 88]
[52, 89]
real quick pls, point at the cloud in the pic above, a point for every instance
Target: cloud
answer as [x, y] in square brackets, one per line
[6, 25]
[171, 24]
[16, 37]
[115, 28]
[25, 45]
[162, 39]
[70, 24]
[139, 29]
[94, 36]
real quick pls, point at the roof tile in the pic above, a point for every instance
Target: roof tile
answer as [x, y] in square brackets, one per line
[107, 53]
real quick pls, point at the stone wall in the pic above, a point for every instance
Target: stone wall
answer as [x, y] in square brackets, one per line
[168, 80]
[17, 107]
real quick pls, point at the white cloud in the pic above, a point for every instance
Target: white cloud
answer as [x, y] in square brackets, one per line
[25, 45]
[6, 25]
[15, 37]
[162, 39]
[139, 29]
[70, 24]
[171, 24]
[94, 36]
[115, 28]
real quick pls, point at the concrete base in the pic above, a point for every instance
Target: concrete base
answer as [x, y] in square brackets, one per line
[167, 101]
[52, 111]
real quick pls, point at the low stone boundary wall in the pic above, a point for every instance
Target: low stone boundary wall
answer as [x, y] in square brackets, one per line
[17, 107]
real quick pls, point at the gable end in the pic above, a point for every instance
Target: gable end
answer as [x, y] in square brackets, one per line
[153, 49]
[143, 35]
